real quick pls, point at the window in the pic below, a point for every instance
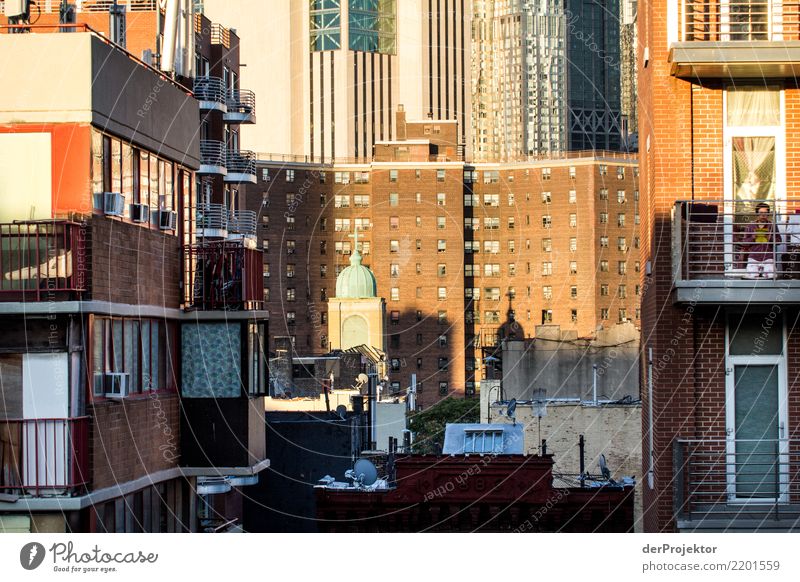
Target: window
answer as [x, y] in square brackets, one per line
[603, 217]
[491, 316]
[362, 224]
[394, 222]
[547, 198]
[491, 223]
[442, 293]
[547, 245]
[394, 363]
[342, 201]
[511, 199]
[419, 221]
[622, 292]
[394, 198]
[573, 291]
[395, 318]
[290, 270]
[512, 246]
[491, 199]
[491, 269]
[419, 268]
[419, 292]
[441, 270]
[622, 267]
[472, 246]
[342, 248]
[573, 267]
[419, 244]
[470, 176]
[290, 223]
[620, 172]
[573, 220]
[472, 200]
[341, 177]
[604, 242]
[621, 219]
[483, 441]
[395, 294]
[394, 270]
[573, 244]
[511, 222]
[323, 200]
[547, 221]
[440, 174]
[472, 270]
[361, 200]
[472, 224]
[621, 196]
[636, 267]
[491, 177]
[604, 290]
[636, 242]
[472, 293]
[440, 199]
[443, 389]
[419, 315]
[574, 315]
[342, 225]
[393, 175]
[290, 294]
[266, 270]
[547, 293]
[604, 313]
[441, 246]
[603, 193]
[547, 316]
[573, 197]
[291, 247]
[512, 269]
[547, 269]
[440, 222]
[638, 290]
[546, 173]
[394, 246]
[623, 315]
[622, 244]
[604, 266]
[290, 175]
[492, 293]
[603, 169]
[323, 271]
[418, 197]
[442, 364]
[572, 172]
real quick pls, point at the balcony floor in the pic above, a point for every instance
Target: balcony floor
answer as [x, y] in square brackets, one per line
[737, 291]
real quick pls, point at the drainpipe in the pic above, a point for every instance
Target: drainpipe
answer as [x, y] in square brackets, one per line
[650, 476]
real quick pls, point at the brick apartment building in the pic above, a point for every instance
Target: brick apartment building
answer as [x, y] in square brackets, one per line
[719, 136]
[463, 254]
[116, 417]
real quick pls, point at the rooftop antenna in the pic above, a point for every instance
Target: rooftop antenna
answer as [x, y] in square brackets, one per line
[540, 402]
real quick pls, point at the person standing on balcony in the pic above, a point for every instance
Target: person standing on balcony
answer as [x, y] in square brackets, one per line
[791, 259]
[760, 244]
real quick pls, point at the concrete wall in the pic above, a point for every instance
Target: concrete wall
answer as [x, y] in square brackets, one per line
[390, 422]
[613, 430]
[565, 368]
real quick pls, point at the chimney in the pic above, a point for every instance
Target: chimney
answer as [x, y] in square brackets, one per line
[401, 123]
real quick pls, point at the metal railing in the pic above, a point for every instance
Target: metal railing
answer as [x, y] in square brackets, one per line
[103, 5]
[739, 20]
[725, 239]
[241, 101]
[241, 162]
[211, 216]
[223, 275]
[42, 260]
[44, 456]
[718, 478]
[210, 89]
[212, 153]
[243, 222]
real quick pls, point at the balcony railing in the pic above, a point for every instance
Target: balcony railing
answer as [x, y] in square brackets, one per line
[223, 275]
[722, 480]
[44, 456]
[725, 239]
[220, 35]
[243, 223]
[241, 106]
[41, 261]
[210, 92]
[212, 218]
[739, 20]
[241, 166]
[213, 156]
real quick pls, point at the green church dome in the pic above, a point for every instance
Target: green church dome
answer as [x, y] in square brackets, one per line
[356, 281]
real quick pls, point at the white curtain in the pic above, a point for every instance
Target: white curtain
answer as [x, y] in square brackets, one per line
[748, 106]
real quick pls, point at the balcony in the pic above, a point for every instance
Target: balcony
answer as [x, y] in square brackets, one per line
[211, 93]
[734, 38]
[42, 261]
[213, 157]
[223, 275]
[727, 485]
[241, 107]
[211, 221]
[717, 259]
[242, 224]
[241, 167]
[44, 456]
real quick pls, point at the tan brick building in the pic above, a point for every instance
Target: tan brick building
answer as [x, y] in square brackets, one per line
[457, 249]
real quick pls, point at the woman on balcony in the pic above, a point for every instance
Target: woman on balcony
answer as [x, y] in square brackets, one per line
[760, 244]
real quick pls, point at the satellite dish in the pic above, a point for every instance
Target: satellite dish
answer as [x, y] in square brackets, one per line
[341, 410]
[604, 468]
[512, 409]
[362, 378]
[365, 472]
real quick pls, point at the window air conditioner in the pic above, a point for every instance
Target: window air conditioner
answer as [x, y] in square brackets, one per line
[140, 213]
[167, 220]
[117, 385]
[113, 203]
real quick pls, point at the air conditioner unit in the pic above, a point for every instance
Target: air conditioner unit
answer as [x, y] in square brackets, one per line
[140, 213]
[113, 203]
[117, 385]
[167, 220]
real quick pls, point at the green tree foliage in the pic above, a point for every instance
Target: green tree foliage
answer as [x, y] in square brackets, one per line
[428, 425]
